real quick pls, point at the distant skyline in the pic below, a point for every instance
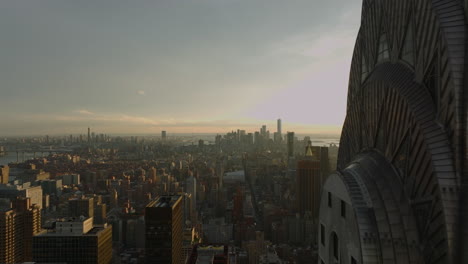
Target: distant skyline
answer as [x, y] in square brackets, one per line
[201, 66]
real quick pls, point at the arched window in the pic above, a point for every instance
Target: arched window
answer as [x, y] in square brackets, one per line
[334, 248]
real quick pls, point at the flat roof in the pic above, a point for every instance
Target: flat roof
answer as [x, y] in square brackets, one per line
[72, 219]
[165, 201]
[93, 232]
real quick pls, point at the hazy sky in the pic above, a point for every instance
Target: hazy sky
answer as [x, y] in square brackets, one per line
[177, 65]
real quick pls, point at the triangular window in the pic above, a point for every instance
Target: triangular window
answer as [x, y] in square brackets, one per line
[431, 80]
[384, 53]
[364, 68]
[407, 52]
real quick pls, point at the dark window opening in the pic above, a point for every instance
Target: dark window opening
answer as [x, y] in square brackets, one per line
[336, 248]
[343, 209]
[431, 81]
[322, 234]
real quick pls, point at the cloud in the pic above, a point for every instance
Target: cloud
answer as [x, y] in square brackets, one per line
[321, 62]
[84, 112]
[263, 76]
[325, 42]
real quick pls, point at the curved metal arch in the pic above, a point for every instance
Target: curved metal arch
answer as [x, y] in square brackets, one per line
[391, 113]
[392, 102]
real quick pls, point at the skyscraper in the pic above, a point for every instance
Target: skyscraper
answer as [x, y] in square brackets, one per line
[263, 130]
[309, 183]
[100, 212]
[278, 129]
[89, 135]
[290, 144]
[83, 206]
[400, 192]
[4, 174]
[74, 241]
[164, 225]
[18, 225]
[14, 191]
[191, 188]
[163, 135]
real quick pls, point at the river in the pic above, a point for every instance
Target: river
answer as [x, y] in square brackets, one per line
[11, 157]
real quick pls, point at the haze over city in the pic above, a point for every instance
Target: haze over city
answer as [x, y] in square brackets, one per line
[234, 132]
[204, 66]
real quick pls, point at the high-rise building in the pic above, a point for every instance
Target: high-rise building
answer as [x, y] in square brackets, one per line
[250, 139]
[74, 241]
[89, 135]
[278, 127]
[309, 183]
[257, 138]
[153, 174]
[71, 179]
[18, 224]
[82, 206]
[52, 187]
[114, 200]
[22, 190]
[238, 206]
[163, 135]
[263, 130]
[218, 141]
[4, 174]
[191, 188]
[100, 212]
[321, 154]
[276, 137]
[400, 192]
[220, 173]
[164, 225]
[290, 144]
[218, 254]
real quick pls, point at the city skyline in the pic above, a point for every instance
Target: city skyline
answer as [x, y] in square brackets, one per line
[234, 132]
[124, 67]
[199, 129]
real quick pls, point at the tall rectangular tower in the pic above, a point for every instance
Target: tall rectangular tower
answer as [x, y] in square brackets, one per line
[4, 174]
[278, 123]
[163, 231]
[290, 144]
[18, 225]
[83, 206]
[309, 185]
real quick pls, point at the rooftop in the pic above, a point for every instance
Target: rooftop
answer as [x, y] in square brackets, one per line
[93, 232]
[72, 219]
[164, 201]
[208, 254]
